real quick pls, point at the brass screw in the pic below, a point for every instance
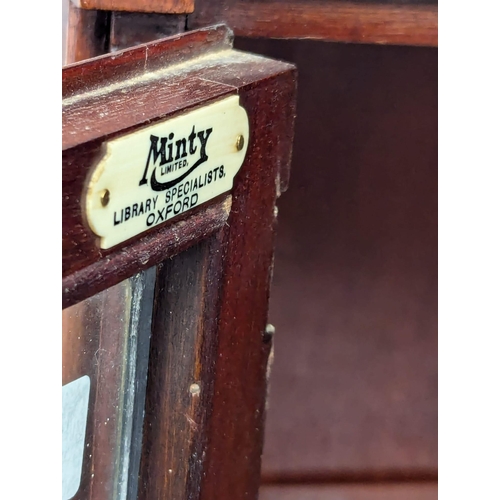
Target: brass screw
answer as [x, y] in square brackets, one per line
[104, 197]
[240, 142]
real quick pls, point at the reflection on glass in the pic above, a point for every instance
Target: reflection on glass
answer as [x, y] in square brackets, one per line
[106, 338]
[75, 407]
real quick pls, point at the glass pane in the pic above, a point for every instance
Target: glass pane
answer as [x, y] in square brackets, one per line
[104, 370]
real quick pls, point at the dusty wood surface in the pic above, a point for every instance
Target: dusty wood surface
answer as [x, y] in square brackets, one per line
[136, 62]
[395, 24]
[159, 6]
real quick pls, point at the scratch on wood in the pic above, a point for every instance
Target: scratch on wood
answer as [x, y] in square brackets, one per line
[192, 423]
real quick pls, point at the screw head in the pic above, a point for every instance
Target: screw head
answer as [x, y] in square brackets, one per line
[194, 389]
[240, 142]
[104, 197]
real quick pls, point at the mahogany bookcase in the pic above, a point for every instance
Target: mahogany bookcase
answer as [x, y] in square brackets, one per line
[385, 89]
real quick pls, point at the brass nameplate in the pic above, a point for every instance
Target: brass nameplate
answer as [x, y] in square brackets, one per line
[161, 171]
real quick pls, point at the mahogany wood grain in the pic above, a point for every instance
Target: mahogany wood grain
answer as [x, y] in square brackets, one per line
[354, 476]
[396, 24]
[236, 427]
[180, 390]
[159, 6]
[87, 33]
[128, 106]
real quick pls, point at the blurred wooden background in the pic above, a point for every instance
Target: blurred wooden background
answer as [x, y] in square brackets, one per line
[353, 397]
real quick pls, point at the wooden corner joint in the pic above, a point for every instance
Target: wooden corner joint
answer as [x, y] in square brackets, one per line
[129, 174]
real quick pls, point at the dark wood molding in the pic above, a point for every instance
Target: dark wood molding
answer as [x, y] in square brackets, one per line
[158, 6]
[149, 251]
[367, 477]
[108, 69]
[408, 491]
[181, 375]
[396, 24]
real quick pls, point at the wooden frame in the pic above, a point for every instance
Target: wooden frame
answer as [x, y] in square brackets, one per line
[394, 22]
[214, 265]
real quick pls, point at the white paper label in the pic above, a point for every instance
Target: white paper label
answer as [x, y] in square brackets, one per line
[162, 171]
[75, 405]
